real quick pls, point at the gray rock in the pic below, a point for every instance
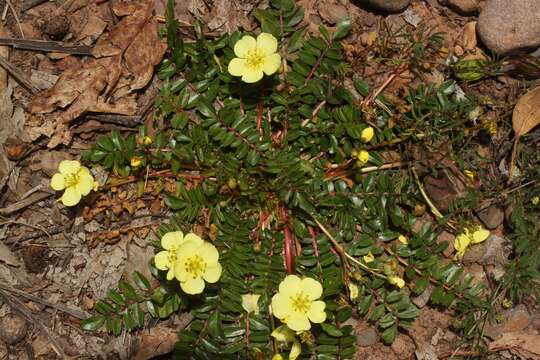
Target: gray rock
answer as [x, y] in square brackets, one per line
[491, 252]
[421, 300]
[332, 11]
[391, 6]
[508, 26]
[462, 6]
[366, 337]
[491, 216]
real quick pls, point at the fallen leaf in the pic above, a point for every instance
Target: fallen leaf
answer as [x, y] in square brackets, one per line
[155, 341]
[7, 256]
[527, 112]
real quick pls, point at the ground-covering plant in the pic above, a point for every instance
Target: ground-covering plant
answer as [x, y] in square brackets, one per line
[274, 157]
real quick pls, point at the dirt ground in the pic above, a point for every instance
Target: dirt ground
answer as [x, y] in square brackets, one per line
[56, 261]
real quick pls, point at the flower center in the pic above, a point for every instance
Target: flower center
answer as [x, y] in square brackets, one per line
[171, 256]
[301, 303]
[195, 266]
[255, 59]
[71, 179]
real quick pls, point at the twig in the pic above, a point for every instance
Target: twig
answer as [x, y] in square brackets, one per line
[18, 75]
[19, 307]
[16, 17]
[73, 312]
[433, 208]
[128, 121]
[28, 4]
[32, 235]
[369, 169]
[24, 203]
[26, 224]
[44, 45]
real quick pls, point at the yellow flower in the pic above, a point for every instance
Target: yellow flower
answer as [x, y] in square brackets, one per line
[368, 258]
[396, 280]
[195, 262]
[470, 236]
[470, 174]
[250, 303]
[283, 334]
[135, 161]
[353, 291]
[403, 239]
[535, 200]
[362, 158]
[75, 179]
[367, 134]
[277, 357]
[296, 303]
[145, 140]
[255, 57]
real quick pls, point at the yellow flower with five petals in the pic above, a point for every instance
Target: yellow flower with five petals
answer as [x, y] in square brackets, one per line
[296, 303]
[255, 57]
[74, 179]
[197, 262]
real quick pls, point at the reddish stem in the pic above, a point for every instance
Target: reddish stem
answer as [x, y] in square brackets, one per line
[288, 241]
[260, 109]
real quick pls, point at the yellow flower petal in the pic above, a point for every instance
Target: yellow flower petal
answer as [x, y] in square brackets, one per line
[290, 285]
[71, 197]
[244, 45]
[283, 334]
[67, 167]
[267, 43]
[209, 253]
[396, 280]
[250, 303]
[316, 312]
[171, 273]
[461, 243]
[236, 67]
[298, 322]
[281, 306]
[213, 273]
[196, 239]
[86, 181]
[180, 272]
[58, 182]
[193, 286]
[363, 157]
[251, 75]
[480, 235]
[172, 240]
[296, 350]
[368, 258]
[367, 134]
[161, 260]
[312, 288]
[277, 357]
[272, 63]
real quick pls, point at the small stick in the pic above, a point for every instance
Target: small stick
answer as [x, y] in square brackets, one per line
[128, 121]
[44, 45]
[28, 4]
[18, 75]
[73, 312]
[16, 17]
[24, 203]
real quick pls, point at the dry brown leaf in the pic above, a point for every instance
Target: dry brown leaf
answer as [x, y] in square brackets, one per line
[527, 112]
[155, 341]
[7, 256]
[524, 344]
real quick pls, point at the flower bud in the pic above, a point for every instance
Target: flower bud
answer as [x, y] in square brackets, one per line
[135, 162]
[367, 134]
[362, 158]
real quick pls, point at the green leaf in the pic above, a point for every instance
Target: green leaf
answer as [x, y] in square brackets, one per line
[117, 140]
[296, 41]
[128, 291]
[93, 322]
[141, 281]
[269, 23]
[342, 28]
[389, 334]
[105, 143]
[420, 285]
[331, 330]
[387, 320]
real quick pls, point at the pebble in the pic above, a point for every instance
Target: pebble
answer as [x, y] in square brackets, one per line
[491, 252]
[12, 329]
[366, 337]
[332, 11]
[391, 6]
[464, 7]
[508, 26]
[491, 217]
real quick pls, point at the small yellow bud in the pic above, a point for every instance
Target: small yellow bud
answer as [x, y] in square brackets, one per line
[147, 140]
[507, 303]
[278, 357]
[369, 258]
[354, 153]
[353, 291]
[403, 239]
[535, 200]
[231, 183]
[419, 209]
[470, 174]
[367, 134]
[396, 280]
[491, 127]
[135, 161]
[362, 158]
[357, 275]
